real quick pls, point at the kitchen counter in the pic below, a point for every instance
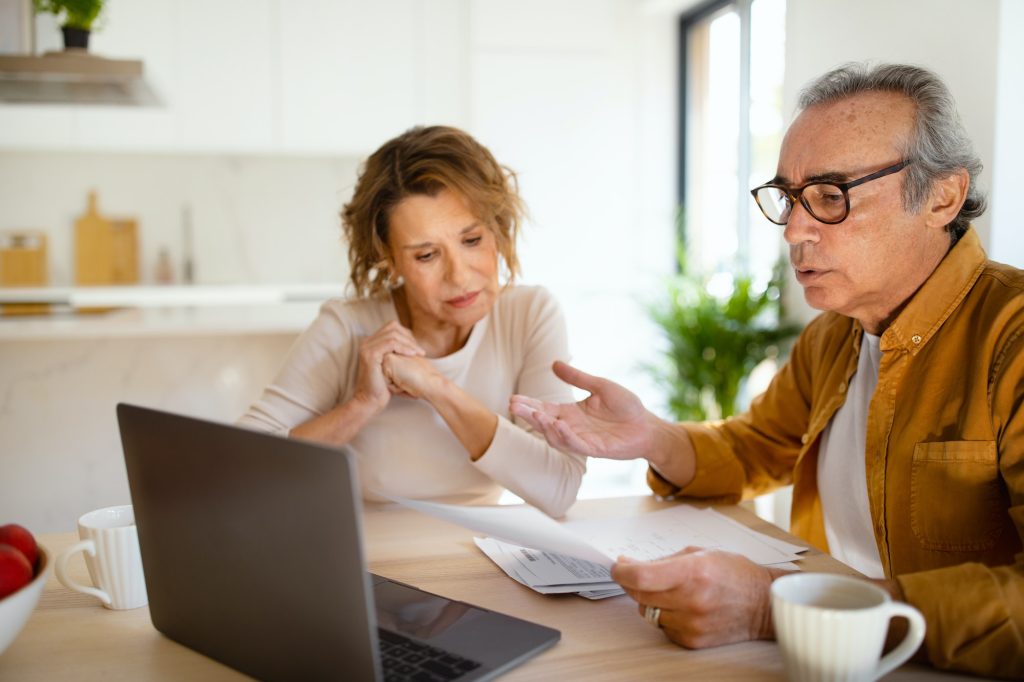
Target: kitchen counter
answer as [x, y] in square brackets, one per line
[62, 375]
[171, 295]
[181, 321]
[162, 311]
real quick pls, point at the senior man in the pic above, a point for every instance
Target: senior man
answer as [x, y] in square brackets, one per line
[898, 417]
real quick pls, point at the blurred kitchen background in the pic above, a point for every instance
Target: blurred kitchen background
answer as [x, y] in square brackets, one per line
[217, 176]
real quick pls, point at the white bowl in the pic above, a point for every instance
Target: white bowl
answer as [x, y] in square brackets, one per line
[16, 607]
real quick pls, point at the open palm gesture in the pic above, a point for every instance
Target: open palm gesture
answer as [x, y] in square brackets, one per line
[610, 423]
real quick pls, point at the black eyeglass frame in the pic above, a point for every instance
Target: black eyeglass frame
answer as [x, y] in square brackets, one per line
[797, 193]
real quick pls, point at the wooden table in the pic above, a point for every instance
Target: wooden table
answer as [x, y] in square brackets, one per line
[71, 637]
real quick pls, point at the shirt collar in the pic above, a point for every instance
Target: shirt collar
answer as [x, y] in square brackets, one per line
[938, 297]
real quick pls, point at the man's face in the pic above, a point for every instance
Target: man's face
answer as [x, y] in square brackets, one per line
[866, 266]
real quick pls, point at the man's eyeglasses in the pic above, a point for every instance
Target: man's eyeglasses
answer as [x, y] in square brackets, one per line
[827, 202]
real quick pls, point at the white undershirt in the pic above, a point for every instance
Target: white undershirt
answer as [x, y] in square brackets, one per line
[842, 474]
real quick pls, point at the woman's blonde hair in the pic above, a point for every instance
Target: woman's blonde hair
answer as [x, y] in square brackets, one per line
[426, 160]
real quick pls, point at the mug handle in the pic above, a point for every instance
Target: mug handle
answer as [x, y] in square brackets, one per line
[60, 567]
[910, 643]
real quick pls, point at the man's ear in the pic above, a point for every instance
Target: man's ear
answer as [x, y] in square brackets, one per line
[946, 198]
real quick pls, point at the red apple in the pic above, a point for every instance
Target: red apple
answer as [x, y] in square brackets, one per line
[18, 537]
[15, 570]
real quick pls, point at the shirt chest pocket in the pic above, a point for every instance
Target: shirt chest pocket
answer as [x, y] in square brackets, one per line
[956, 499]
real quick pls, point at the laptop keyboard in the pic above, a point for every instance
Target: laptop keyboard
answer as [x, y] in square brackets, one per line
[405, 659]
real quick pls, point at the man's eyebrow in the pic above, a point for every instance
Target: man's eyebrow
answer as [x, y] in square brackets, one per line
[423, 245]
[826, 176]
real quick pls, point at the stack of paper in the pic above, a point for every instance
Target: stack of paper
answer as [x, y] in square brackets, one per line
[535, 550]
[548, 572]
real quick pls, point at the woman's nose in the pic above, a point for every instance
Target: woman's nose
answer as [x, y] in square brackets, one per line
[457, 270]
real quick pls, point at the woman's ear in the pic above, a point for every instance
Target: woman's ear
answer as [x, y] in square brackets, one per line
[395, 278]
[385, 265]
[947, 197]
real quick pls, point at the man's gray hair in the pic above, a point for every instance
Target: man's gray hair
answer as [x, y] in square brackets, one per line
[939, 144]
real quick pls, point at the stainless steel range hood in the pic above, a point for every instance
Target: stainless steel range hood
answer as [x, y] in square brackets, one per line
[73, 78]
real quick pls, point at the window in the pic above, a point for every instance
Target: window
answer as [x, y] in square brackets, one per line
[732, 64]
[732, 58]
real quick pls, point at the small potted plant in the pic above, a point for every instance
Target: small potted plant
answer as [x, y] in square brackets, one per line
[77, 17]
[717, 330]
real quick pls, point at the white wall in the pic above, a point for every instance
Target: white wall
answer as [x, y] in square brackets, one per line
[1007, 244]
[961, 41]
[579, 98]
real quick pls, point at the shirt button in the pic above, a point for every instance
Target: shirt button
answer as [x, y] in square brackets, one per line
[842, 387]
[804, 438]
[916, 339]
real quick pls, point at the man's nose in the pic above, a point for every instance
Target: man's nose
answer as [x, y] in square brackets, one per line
[801, 226]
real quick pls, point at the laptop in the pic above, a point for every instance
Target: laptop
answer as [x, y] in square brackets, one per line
[252, 552]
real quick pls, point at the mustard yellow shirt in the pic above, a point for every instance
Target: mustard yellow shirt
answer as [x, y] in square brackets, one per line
[944, 455]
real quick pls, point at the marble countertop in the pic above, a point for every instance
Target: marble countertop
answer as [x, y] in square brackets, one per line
[162, 311]
[159, 296]
[179, 321]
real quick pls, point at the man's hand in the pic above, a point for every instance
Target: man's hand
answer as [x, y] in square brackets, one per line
[707, 597]
[611, 423]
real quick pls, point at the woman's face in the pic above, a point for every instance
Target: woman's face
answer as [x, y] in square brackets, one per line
[448, 258]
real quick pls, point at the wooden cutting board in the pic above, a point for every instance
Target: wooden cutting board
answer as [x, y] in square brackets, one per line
[106, 250]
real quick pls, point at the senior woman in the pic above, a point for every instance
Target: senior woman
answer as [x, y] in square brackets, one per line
[416, 371]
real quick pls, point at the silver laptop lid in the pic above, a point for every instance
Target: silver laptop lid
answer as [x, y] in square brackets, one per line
[228, 521]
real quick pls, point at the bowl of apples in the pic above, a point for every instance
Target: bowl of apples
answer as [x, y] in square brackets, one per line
[23, 568]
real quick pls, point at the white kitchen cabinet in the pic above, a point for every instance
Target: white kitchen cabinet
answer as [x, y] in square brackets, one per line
[355, 73]
[321, 77]
[225, 56]
[141, 29]
[566, 26]
[446, 62]
[349, 77]
[27, 126]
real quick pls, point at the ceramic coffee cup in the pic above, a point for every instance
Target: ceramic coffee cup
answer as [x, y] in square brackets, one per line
[831, 628]
[111, 545]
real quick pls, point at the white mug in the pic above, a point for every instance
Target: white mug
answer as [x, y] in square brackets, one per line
[832, 628]
[111, 545]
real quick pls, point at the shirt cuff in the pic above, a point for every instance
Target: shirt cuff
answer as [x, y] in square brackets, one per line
[718, 473]
[970, 611]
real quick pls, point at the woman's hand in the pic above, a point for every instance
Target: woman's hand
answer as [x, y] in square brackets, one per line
[413, 376]
[372, 386]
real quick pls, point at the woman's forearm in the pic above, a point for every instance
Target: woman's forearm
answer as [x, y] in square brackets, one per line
[338, 426]
[472, 423]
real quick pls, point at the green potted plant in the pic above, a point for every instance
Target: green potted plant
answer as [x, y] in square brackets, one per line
[718, 329]
[77, 18]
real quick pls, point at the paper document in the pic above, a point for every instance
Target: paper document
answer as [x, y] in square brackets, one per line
[549, 557]
[519, 524]
[664, 532]
[548, 572]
